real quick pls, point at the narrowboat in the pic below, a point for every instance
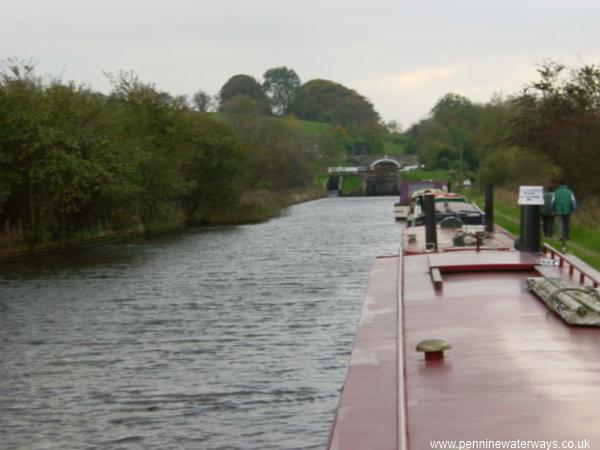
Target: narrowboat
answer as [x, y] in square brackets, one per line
[469, 343]
[448, 205]
[407, 193]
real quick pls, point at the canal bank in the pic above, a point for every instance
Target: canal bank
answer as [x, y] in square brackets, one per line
[584, 233]
[258, 206]
[254, 207]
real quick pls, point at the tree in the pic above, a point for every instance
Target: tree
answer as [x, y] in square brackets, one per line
[431, 141]
[242, 104]
[74, 162]
[393, 126]
[458, 115]
[21, 105]
[247, 86]
[202, 101]
[326, 101]
[453, 108]
[215, 167]
[281, 84]
[329, 102]
[494, 120]
[282, 151]
[511, 166]
[559, 116]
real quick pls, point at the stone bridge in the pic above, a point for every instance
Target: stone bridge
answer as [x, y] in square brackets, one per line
[379, 174]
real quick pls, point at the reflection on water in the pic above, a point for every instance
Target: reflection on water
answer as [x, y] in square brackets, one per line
[216, 338]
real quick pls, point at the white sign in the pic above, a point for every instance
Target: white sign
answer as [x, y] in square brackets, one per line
[531, 195]
[343, 169]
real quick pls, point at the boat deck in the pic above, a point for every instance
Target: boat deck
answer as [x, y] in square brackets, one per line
[516, 370]
[414, 240]
[368, 407]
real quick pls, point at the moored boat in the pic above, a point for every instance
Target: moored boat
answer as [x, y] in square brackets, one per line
[447, 205]
[470, 341]
[407, 193]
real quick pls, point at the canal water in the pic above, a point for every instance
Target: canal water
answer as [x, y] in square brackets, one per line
[215, 338]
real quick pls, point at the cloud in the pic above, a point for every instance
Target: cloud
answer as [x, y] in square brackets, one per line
[408, 96]
[417, 78]
[402, 55]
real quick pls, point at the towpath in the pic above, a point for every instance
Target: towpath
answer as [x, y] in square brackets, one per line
[580, 249]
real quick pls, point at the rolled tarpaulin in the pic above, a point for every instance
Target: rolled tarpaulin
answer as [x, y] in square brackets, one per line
[576, 304]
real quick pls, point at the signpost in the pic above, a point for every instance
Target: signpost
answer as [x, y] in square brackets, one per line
[530, 199]
[531, 195]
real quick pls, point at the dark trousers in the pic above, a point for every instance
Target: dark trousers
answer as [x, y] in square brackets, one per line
[564, 227]
[548, 225]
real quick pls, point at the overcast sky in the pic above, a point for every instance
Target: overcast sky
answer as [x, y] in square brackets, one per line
[402, 55]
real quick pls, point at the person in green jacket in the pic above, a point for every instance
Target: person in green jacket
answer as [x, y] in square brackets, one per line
[563, 206]
[547, 213]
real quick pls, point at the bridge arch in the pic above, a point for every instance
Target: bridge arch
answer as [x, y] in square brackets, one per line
[385, 162]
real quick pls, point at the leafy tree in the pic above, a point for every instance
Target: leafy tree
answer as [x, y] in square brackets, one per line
[551, 128]
[447, 140]
[202, 101]
[21, 95]
[281, 84]
[71, 159]
[393, 126]
[332, 146]
[494, 122]
[432, 142]
[216, 168]
[282, 153]
[329, 102]
[55, 139]
[247, 86]
[326, 101]
[242, 104]
[512, 165]
[559, 116]
[454, 109]
[369, 136]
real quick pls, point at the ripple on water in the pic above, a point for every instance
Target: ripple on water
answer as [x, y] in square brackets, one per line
[216, 338]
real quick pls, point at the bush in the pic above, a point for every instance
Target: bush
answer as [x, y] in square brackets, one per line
[514, 166]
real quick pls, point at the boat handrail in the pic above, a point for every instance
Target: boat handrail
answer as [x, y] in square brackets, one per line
[564, 259]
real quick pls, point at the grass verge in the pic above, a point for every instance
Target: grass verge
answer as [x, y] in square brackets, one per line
[584, 242]
[418, 175]
[351, 185]
[258, 206]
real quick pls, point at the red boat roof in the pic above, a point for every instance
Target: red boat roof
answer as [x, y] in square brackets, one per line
[469, 261]
[516, 370]
[367, 415]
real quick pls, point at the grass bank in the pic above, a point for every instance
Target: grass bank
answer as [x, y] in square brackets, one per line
[352, 185]
[419, 175]
[585, 229]
[254, 207]
[15, 248]
[262, 205]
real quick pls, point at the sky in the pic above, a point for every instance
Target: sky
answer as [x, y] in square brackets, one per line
[402, 55]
